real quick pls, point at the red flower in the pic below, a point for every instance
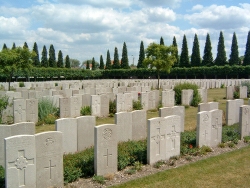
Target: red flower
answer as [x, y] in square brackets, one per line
[190, 146]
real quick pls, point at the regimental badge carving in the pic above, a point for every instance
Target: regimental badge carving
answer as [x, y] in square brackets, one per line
[107, 133]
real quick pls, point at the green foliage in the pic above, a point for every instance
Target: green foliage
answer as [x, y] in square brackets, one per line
[230, 133]
[44, 59]
[184, 59]
[158, 164]
[86, 110]
[108, 61]
[101, 63]
[246, 139]
[137, 105]
[130, 152]
[52, 56]
[4, 102]
[195, 57]
[221, 58]
[2, 177]
[188, 143]
[176, 54]
[4, 47]
[208, 55]
[161, 41]
[141, 56]
[112, 107]
[47, 111]
[116, 64]
[21, 84]
[60, 59]
[67, 62]
[130, 171]
[124, 60]
[87, 65]
[234, 56]
[246, 60]
[93, 64]
[236, 93]
[137, 165]
[36, 61]
[99, 179]
[196, 96]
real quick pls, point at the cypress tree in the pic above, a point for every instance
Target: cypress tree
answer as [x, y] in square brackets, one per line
[67, 62]
[177, 56]
[60, 59]
[208, 55]
[25, 45]
[246, 60]
[161, 41]
[52, 56]
[184, 59]
[13, 46]
[108, 61]
[196, 57]
[101, 63]
[44, 59]
[221, 58]
[36, 61]
[87, 65]
[124, 60]
[116, 64]
[234, 56]
[93, 64]
[141, 56]
[4, 47]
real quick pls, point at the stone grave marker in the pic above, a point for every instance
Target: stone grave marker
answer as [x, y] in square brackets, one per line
[49, 159]
[208, 106]
[233, 111]
[139, 124]
[104, 111]
[32, 110]
[105, 149]
[123, 121]
[186, 96]
[216, 132]
[95, 105]
[203, 129]
[64, 104]
[19, 110]
[168, 99]
[75, 106]
[244, 121]
[20, 161]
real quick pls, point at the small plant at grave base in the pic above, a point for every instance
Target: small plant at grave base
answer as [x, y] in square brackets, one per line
[47, 111]
[159, 105]
[236, 93]
[246, 139]
[86, 110]
[130, 171]
[50, 119]
[204, 150]
[99, 179]
[137, 105]
[21, 84]
[231, 144]
[158, 164]
[188, 143]
[56, 84]
[109, 177]
[2, 177]
[187, 106]
[222, 86]
[171, 162]
[4, 102]
[188, 158]
[112, 107]
[230, 133]
[221, 145]
[246, 83]
[137, 166]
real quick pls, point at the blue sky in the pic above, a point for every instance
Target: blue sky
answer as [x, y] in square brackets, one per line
[84, 29]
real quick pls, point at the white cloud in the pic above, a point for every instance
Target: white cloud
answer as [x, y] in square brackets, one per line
[197, 7]
[161, 3]
[220, 17]
[159, 14]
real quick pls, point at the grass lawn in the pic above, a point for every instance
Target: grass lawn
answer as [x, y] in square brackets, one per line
[226, 170]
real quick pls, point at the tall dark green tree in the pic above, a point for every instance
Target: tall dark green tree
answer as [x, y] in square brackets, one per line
[44, 59]
[221, 58]
[246, 60]
[25, 45]
[161, 41]
[177, 56]
[208, 55]
[67, 62]
[116, 64]
[101, 63]
[141, 56]
[93, 64]
[108, 61]
[4, 47]
[52, 56]
[13, 46]
[87, 65]
[196, 57]
[234, 56]
[36, 61]
[124, 60]
[184, 59]
[60, 59]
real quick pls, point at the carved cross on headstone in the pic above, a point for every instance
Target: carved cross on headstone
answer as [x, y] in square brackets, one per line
[21, 164]
[50, 169]
[216, 126]
[205, 134]
[21, 111]
[107, 155]
[158, 138]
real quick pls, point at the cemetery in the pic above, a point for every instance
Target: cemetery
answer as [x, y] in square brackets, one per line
[53, 133]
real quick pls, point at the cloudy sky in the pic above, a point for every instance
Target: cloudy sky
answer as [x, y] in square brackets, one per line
[84, 29]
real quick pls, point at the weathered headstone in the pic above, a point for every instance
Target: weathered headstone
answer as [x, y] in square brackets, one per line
[168, 98]
[104, 111]
[64, 104]
[139, 124]
[244, 121]
[243, 92]
[208, 106]
[105, 149]
[19, 110]
[68, 126]
[229, 92]
[216, 132]
[32, 110]
[233, 111]
[85, 132]
[20, 168]
[144, 100]
[186, 96]
[75, 106]
[123, 121]
[95, 105]
[203, 129]
[203, 94]
[49, 159]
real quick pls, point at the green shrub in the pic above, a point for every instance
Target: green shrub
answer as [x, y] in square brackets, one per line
[47, 111]
[222, 86]
[86, 110]
[137, 105]
[230, 133]
[158, 164]
[236, 93]
[112, 107]
[99, 179]
[21, 84]
[4, 102]
[56, 84]
[246, 139]
[2, 177]
[130, 171]
[196, 96]
[188, 143]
